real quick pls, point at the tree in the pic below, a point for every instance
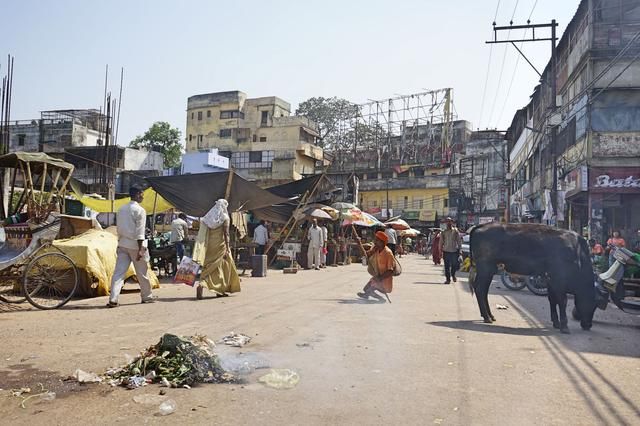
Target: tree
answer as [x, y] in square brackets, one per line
[163, 138]
[327, 113]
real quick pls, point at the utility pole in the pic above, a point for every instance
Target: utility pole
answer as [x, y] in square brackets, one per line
[553, 106]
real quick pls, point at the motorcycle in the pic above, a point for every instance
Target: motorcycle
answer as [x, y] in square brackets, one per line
[612, 285]
[536, 284]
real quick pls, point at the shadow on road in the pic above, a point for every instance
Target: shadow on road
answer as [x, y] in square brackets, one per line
[492, 328]
[353, 301]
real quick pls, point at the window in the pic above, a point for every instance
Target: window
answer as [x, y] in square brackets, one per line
[225, 133]
[21, 139]
[265, 117]
[190, 138]
[446, 202]
[252, 159]
[231, 114]
[208, 113]
[255, 137]
[199, 115]
[255, 156]
[192, 115]
[263, 138]
[406, 202]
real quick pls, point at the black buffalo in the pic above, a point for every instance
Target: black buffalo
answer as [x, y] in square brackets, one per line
[532, 249]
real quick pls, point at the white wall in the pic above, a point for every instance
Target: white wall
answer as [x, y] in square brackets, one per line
[203, 162]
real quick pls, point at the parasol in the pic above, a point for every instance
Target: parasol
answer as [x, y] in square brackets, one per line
[366, 220]
[348, 211]
[319, 214]
[398, 225]
[410, 233]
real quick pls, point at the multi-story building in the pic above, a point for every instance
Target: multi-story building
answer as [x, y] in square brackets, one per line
[584, 145]
[126, 166]
[56, 130]
[203, 162]
[262, 140]
[478, 187]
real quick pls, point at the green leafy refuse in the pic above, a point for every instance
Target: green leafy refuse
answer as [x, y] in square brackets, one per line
[179, 360]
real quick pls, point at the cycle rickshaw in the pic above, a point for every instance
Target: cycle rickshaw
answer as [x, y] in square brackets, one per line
[31, 268]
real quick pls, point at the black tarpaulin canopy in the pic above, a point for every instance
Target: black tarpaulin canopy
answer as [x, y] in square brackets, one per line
[318, 186]
[195, 194]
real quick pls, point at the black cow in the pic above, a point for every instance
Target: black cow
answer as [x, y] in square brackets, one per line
[532, 249]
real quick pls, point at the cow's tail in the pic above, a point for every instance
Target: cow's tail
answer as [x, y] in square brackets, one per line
[472, 268]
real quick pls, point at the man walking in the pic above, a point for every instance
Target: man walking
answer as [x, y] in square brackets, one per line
[132, 248]
[392, 238]
[316, 242]
[450, 244]
[179, 232]
[261, 237]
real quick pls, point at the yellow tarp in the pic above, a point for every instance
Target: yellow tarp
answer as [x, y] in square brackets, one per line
[104, 206]
[94, 253]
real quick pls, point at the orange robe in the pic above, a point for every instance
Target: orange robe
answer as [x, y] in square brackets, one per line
[381, 262]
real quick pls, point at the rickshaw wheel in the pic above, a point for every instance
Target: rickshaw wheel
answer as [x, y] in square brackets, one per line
[50, 280]
[11, 291]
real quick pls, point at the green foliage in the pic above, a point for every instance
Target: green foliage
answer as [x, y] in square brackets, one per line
[163, 138]
[327, 113]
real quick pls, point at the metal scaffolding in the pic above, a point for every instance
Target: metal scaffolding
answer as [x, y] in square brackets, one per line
[413, 129]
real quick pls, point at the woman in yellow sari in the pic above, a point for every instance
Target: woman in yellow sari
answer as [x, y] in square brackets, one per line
[213, 252]
[381, 265]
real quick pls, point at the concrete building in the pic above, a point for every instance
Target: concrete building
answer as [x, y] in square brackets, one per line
[421, 198]
[128, 166]
[203, 162]
[263, 142]
[589, 135]
[479, 188]
[57, 130]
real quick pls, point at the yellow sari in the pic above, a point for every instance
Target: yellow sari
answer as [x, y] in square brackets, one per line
[219, 272]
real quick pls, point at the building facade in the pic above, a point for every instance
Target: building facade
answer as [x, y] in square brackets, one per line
[57, 130]
[263, 142]
[575, 159]
[203, 162]
[478, 185]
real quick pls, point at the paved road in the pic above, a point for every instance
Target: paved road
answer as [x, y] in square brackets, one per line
[424, 359]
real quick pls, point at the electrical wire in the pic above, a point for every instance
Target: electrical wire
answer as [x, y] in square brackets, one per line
[515, 68]
[486, 80]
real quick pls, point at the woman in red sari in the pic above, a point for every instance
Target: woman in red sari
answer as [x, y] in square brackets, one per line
[436, 253]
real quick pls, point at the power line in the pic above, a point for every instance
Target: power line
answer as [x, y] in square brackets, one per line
[515, 68]
[486, 80]
[504, 59]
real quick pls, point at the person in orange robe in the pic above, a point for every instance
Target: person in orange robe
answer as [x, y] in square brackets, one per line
[436, 252]
[381, 266]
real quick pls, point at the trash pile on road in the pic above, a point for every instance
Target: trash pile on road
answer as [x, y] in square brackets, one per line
[234, 339]
[174, 361]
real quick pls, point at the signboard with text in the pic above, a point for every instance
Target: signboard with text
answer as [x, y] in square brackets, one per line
[619, 180]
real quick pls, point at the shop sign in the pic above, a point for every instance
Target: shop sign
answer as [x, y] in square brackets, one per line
[485, 219]
[616, 180]
[576, 181]
[427, 215]
[411, 214]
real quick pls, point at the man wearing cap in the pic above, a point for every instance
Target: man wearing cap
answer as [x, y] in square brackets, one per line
[450, 245]
[381, 266]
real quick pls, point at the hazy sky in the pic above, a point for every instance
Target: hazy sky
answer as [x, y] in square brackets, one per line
[356, 50]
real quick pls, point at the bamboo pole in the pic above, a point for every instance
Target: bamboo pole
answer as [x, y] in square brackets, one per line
[153, 220]
[44, 180]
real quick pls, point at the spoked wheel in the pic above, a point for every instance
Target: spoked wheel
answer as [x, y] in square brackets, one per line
[50, 280]
[512, 282]
[537, 285]
[10, 290]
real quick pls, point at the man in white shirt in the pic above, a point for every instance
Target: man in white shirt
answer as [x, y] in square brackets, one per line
[325, 238]
[316, 242]
[131, 220]
[261, 237]
[179, 232]
[393, 238]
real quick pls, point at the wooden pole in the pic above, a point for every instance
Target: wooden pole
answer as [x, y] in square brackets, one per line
[227, 191]
[153, 224]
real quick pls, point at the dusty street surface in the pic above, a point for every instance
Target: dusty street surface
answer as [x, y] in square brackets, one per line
[424, 359]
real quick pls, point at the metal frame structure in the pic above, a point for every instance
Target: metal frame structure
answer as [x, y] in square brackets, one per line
[411, 129]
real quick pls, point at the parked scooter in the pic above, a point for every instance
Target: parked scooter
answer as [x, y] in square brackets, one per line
[612, 285]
